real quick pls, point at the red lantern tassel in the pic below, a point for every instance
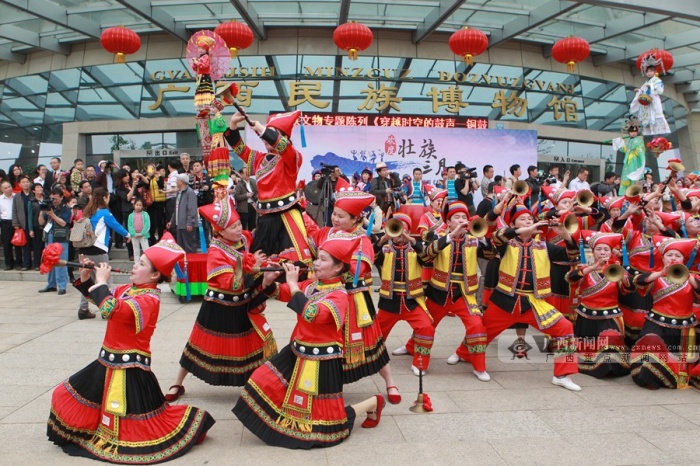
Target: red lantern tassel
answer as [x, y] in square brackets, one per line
[469, 59]
[352, 54]
[571, 67]
[234, 52]
[120, 58]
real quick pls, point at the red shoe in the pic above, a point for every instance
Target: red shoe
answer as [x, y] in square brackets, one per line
[372, 423]
[393, 399]
[169, 397]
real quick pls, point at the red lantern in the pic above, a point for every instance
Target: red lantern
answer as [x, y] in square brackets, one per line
[468, 43]
[663, 56]
[238, 36]
[352, 37]
[571, 50]
[120, 41]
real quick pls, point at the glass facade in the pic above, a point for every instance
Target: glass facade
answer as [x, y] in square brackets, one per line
[33, 108]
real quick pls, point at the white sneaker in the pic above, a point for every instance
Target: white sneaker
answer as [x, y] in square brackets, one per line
[400, 351]
[454, 359]
[416, 371]
[483, 376]
[566, 382]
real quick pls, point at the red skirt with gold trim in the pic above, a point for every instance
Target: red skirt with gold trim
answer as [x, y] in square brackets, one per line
[151, 431]
[225, 347]
[264, 407]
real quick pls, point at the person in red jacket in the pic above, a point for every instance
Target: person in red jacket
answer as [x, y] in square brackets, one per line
[231, 336]
[295, 400]
[280, 231]
[114, 410]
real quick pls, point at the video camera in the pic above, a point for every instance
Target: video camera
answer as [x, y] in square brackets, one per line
[327, 169]
[467, 172]
[46, 205]
[543, 178]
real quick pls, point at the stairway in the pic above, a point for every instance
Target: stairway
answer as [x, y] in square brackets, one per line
[118, 259]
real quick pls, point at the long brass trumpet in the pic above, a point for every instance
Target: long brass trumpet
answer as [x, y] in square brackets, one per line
[520, 188]
[393, 228]
[633, 191]
[478, 227]
[585, 198]
[677, 273]
[614, 273]
[568, 221]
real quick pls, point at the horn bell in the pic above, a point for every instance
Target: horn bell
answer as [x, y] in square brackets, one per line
[520, 188]
[677, 273]
[585, 198]
[570, 222]
[676, 166]
[478, 228]
[633, 191]
[614, 273]
[393, 228]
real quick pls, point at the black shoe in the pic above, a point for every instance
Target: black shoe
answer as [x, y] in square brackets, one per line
[47, 289]
[8, 267]
[61, 292]
[85, 314]
[24, 269]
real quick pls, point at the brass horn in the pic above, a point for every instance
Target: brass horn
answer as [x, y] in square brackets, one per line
[677, 273]
[633, 191]
[676, 167]
[478, 227]
[520, 188]
[570, 222]
[585, 198]
[393, 228]
[614, 273]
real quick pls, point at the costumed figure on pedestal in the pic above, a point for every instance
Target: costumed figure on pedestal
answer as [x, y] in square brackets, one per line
[114, 410]
[635, 155]
[209, 57]
[647, 100]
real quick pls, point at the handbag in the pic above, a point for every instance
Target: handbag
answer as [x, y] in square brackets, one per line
[82, 235]
[19, 239]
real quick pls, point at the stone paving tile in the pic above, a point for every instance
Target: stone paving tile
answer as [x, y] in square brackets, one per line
[591, 449]
[517, 418]
[613, 420]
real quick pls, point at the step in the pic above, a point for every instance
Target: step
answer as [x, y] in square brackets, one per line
[34, 276]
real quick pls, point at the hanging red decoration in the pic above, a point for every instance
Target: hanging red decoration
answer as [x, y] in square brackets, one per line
[468, 43]
[238, 36]
[352, 37]
[120, 41]
[665, 58]
[571, 50]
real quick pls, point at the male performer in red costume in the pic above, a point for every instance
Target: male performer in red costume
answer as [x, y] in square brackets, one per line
[280, 231]
[524, 282]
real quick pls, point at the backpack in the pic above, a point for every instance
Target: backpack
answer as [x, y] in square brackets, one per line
[82, 235]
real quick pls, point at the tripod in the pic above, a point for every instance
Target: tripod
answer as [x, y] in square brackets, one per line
[326, 192]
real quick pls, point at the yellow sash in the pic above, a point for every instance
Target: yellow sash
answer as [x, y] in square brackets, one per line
[509, 269]
[443, 262]
[414, 284]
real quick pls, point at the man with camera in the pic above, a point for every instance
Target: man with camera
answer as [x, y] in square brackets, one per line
[465, 185]
[55, 218]
[533, 181]
[380, 186]
[326, 184]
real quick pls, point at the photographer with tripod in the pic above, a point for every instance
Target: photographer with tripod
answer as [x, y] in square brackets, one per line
[465, 185]
[327, 182]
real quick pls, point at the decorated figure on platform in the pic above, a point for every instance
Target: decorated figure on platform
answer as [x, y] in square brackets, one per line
[209, 57]
[647, 100]
[635, 154]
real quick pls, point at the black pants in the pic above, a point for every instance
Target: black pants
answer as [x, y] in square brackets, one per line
[37, 245]
[156, 212]
[249, 219]
[6, 231]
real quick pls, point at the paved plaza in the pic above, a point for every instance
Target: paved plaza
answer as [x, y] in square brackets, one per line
[518, 418]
